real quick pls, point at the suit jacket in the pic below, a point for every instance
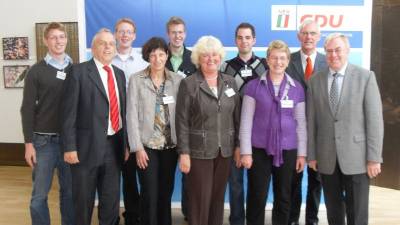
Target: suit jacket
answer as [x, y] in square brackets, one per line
[353, 135]
[295, 68]
[85, 110]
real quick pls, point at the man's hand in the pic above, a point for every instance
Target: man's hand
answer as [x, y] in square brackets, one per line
[127, 153]
[30, 154]
[313, 165]
[71, 157]
[236, 157]
[184, 163]
[141, 159]
[373, 169]
[247, 161]
[300, 162]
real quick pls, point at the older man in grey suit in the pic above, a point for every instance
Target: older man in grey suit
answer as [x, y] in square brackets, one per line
[345, 132]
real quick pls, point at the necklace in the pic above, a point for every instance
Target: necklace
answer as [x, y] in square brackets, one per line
[212, 78]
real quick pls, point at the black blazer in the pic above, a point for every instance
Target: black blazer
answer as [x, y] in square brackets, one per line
[85, 112]
[295, 68]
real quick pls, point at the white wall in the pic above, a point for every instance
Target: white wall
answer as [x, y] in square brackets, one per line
[18, 18]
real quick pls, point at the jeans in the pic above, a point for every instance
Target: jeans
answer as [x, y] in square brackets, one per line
[236, 195]
[49, 157]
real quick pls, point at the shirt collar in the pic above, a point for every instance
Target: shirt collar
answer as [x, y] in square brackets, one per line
[290, 80]
[51, 61]
[132, 54]
[342, 71]
[179, 54]
[100, 65]
[250, 61]
[304, 56]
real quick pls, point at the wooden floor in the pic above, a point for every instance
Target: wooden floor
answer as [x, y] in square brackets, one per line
[15, 190]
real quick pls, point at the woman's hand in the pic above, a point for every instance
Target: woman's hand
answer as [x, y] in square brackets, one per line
[184, 163]
[247, 161]
[141, 159]
[300, 162]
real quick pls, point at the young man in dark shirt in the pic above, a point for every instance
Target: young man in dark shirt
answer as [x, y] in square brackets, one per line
[179, 56]
[179, 61]
[41, 127]
[244, 67]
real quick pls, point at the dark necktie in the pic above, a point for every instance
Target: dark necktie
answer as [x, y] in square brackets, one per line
[112, 96]
[334, 93]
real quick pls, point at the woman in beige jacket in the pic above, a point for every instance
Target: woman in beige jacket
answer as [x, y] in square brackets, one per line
[151, 131]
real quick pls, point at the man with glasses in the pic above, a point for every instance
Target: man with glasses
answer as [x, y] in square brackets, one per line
[179, 61]
[179, 56]
[345, 132]
[129, 61]
[40, 114]
[303, 64]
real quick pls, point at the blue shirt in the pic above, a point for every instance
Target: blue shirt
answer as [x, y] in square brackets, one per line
[56, 64]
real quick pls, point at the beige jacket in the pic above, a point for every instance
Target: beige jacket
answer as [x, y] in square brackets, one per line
[141, 101]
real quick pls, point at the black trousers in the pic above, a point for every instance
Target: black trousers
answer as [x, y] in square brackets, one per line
[346, 194]
[130, 191]
[313, 196]
[258, 183]
[157, 186]
[105, 179]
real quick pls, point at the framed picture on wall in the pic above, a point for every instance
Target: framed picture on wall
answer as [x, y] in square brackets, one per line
[72, 48]
[14, 75]
[15, 48]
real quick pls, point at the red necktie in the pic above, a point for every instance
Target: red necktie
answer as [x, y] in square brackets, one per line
[309, 69]
[112, 96]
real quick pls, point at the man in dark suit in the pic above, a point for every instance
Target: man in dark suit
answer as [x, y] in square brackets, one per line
[303, 64]
[345, 132]
[94, 131]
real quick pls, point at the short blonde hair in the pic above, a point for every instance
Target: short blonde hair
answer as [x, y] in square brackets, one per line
[206, 44]
[332, 36]
[125, 20]
[280, 46]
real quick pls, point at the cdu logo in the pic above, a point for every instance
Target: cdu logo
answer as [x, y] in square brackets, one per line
[283, 17]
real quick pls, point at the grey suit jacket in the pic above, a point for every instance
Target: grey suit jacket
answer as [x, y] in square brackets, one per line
[295, 67]
[354, 135]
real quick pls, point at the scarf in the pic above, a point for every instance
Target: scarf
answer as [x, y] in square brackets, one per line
[274, 123]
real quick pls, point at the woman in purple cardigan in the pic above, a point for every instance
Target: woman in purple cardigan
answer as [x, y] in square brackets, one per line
[273, 136]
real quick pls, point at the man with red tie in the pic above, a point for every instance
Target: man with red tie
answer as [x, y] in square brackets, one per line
[303, 64]
[94, 131]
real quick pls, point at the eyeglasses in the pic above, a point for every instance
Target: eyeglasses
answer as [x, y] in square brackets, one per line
[276, 59]
[312, 33]
[55, 37]
[123, 32]
[335, 50]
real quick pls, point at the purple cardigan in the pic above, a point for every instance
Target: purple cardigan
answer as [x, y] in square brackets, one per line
[257, 102]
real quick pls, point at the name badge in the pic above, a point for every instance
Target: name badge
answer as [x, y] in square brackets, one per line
[286, 103]
[61, 75]
[182, 74]
[168, 100]
[230, 92]
[246, 73]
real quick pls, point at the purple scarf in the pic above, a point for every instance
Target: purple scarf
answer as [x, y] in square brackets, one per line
[274, 123]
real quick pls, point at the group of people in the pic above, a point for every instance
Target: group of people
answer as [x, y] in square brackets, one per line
[144, 114]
